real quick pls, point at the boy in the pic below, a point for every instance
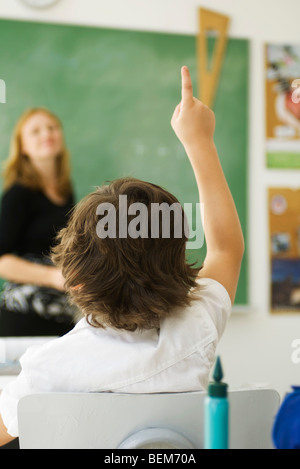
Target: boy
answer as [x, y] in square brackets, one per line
[151, 324]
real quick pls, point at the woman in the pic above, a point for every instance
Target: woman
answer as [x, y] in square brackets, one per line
[37, 198]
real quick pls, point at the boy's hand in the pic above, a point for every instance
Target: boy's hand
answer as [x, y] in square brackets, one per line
[192, 121]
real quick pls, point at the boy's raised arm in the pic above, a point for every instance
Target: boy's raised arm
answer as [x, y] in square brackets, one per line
[194, 125]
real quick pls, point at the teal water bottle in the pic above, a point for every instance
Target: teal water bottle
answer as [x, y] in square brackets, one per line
[216, 412]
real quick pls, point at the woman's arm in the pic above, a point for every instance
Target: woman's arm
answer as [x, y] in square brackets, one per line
[13, 221]
[194, 124]
[18, 270]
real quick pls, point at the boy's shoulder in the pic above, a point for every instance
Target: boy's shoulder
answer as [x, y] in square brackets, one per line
[216, 302]
[209, 286]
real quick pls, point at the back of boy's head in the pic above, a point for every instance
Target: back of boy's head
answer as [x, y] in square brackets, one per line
[122, 267]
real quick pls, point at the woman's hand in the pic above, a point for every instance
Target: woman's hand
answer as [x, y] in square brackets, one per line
[56, 279]
[192, 121]
[16, 269]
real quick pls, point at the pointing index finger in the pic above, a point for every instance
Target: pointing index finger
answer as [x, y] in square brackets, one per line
[186, 85]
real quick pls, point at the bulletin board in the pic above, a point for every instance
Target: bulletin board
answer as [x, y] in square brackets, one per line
[115, 92]
[282, 106]
[284, 222]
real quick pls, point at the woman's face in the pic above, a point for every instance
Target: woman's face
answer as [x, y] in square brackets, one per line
[41, 137]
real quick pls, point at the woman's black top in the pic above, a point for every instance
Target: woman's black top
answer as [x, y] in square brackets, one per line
[29, 221]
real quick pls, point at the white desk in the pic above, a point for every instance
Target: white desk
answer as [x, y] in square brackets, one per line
[11, 349]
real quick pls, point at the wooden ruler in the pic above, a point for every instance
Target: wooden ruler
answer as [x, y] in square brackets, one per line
[208, 77]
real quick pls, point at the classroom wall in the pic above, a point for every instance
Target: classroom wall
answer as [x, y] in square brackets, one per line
[256, 347]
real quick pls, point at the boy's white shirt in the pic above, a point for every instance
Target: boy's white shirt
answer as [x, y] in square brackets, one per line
[176, 358]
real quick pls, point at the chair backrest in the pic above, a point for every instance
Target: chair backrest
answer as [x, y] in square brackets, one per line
[137, 421]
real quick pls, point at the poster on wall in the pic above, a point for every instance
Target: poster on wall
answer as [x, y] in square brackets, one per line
[284, 229]
[282, 105]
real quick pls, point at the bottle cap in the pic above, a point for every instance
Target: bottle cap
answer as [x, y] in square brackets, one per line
[217, 388]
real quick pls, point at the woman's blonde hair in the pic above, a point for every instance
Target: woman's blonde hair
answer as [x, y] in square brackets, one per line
[18, 167]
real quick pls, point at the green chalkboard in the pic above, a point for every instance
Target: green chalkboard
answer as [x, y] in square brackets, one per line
[115, 92]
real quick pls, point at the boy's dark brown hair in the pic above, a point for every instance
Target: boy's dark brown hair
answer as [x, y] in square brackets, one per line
[124, 283]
